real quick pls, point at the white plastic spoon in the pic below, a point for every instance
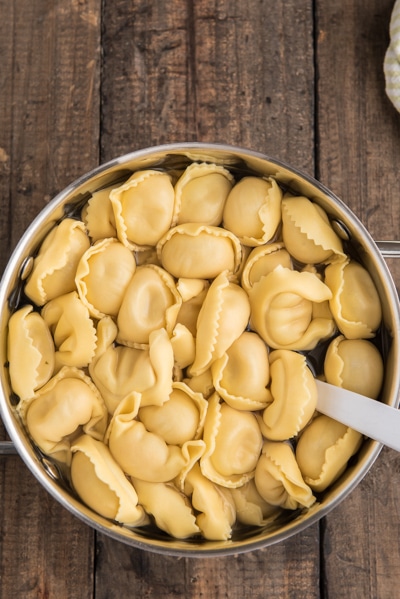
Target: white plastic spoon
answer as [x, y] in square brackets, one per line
[368, 416]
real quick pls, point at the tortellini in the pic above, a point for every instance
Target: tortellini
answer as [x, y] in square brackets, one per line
[102, 485]
[102, 276]
[223, 317]
[307, 233]
[233, 444]
[241, 375]
[323, 451]
[151, 302]
[66, 406]
[170, 507]
[282, 309]
[29, 343]
[253, 210]
[199, 251]
[214, 504]
[294, 396]
[251, 508]
[355, 301]
[72, 329]
[167, 340]
[143, 208]
[98, 215]
[278, 478]
[117, 370]
[355, 364]
[55, 265]
[201, 192]
[262, 260]
[143, 454]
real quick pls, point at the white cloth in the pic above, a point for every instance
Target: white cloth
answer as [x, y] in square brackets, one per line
[392, 58]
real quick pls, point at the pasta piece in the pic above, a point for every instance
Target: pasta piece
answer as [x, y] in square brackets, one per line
[191, 288]
[30, 344]
[354, 364]
[117, 370]
[143, 208]
[102, 276]
[307, 233]
[223, 317]
[251, 509]
[323, 451]
[189, 311]
[294, 394]
[183, 345]
[201, 192]
[151, 302]
[145, 455]
[253, 210]
[73, 330]
[102, 485]
[279, 480]
[58, 413]
[55, 265]
[355, 302]
[193, 250]
[263, 260]
[202, 383]
[170, 507]
[98, 215]
[282, 309]
[233, 444]
[178, 420]
[217, 512]
[241, 375]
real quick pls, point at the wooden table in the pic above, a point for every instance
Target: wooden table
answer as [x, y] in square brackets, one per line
[83, 81]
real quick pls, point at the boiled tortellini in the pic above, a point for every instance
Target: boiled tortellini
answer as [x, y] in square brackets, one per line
[166, 343]
[102, 276]
[307, 233]
[29, 343]
[66, 406]
[355, 301]
[355, 364]
[201, 192]
[54, 267]
[323, 451]
[101, 483]
[143, 208]
[253, 210]
[282, 309]
[294, 396]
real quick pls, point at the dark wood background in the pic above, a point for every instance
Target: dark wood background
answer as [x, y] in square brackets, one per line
[82, 81]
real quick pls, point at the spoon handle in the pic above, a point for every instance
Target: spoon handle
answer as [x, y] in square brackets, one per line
[368, 416]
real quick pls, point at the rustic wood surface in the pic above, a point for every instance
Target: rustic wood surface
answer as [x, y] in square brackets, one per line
[82, 81]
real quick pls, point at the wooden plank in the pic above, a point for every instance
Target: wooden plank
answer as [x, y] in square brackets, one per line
[49, 134]
[359, 157]
[232, 72]
[224, 72]
[288, 569]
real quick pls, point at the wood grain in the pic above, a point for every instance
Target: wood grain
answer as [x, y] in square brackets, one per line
[49, 135]
[227, 72]
[359, 158]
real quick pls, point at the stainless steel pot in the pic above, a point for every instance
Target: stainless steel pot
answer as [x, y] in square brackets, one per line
[358, 242]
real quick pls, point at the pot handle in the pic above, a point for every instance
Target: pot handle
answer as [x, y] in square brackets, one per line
[389, 249]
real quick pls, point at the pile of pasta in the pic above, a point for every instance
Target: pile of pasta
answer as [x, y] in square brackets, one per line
[161, 353]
